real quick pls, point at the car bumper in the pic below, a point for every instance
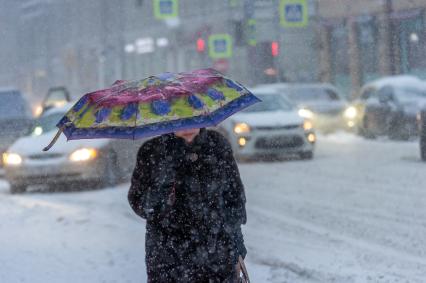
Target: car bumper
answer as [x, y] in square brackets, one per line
[272, 143]
[332, 123]
[54, 172]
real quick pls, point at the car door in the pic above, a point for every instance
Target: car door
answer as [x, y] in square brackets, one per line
[383, 113]
[371, 105]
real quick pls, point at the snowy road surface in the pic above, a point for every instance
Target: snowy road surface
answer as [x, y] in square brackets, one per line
[356, 213]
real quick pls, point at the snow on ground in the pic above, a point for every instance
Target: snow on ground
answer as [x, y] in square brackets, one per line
[356, 213]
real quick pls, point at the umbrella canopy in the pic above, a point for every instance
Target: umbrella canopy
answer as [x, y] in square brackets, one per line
[156, 105]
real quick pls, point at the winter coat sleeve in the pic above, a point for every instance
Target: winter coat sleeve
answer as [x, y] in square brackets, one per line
[234, 196]
[152, 182]
[140, 182]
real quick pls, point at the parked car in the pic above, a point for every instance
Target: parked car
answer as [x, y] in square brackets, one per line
[422, 131]
[389, 107]
[103, 161]
[271, 128]
[15, 117]
[321, 103]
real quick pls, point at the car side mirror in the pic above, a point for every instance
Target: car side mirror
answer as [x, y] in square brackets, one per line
[30, 126]
[385, 95]
[385, 98]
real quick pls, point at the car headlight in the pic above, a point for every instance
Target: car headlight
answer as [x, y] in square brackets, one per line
[83, 154]
[12, 159]
[305, 113]
[38, 110]
[307, 125]
[38, 131]
[241, 128]
[350, 113]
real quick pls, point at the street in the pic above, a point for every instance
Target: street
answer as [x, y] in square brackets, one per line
[355, 213]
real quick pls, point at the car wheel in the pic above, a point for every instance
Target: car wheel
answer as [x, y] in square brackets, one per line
[18, 188]
[306, 155]
[398, 131]
[365, 131]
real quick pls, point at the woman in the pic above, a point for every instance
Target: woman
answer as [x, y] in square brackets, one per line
[188, 188]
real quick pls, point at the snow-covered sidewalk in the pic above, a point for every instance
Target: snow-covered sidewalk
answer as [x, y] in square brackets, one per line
[356, 213]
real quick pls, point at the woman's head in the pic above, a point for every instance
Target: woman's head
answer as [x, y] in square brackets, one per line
[188, 135]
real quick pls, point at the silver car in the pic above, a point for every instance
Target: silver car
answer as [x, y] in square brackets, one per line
[271, 128]
[103, 161]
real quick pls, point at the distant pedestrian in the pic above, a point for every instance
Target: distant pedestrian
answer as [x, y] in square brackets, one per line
[188, 188]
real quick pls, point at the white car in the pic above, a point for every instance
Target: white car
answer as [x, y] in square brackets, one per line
[271, 128]
[321, 103]
[102, 161]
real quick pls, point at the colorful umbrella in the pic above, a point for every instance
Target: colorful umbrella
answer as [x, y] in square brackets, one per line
[156, 105]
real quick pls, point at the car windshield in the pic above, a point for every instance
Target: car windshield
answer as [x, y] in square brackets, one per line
[410, 94]
[47, 123]
[270, 102]
[12, 105]
[300, 94]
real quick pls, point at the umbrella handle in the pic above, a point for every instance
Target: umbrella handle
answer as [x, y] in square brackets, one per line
[54, 139]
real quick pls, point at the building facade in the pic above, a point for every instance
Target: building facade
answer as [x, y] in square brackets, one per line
[86, 45]
[366, 39]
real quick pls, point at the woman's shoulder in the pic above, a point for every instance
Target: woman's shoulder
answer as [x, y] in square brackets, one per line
[156, 144]
[215, 135]
[218, 140]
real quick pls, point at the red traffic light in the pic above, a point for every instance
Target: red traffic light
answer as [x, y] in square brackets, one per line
[201, 45]
[275, 48]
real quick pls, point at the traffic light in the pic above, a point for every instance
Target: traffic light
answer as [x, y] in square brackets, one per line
[275, 48]
[201, 45]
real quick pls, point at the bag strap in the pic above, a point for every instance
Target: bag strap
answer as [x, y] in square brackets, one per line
[243, 269]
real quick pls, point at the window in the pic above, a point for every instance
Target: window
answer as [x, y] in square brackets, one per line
[339, 49]
[367, 93]
[367, 40]
[47, 123]
[270, 102]
[301, 94]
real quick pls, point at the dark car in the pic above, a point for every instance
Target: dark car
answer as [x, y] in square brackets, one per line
[15, 117]
[390, 109]
[422, 131]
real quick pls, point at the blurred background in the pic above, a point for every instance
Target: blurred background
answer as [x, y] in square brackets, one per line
[331, 159]
[85, 45]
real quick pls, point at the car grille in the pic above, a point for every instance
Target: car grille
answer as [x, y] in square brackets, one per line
[44, 156]
[272, 128]
[279, 142]
[330, 112]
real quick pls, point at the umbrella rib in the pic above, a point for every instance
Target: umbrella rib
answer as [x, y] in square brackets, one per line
[136, 120]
